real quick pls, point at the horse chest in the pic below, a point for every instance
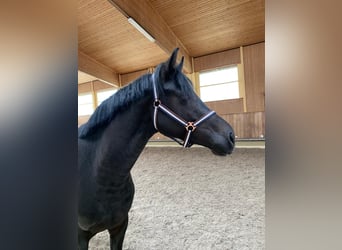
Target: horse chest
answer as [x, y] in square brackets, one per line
[109, 204]
[116, 199]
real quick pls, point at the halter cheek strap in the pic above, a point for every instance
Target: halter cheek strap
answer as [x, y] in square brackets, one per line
[189, 126]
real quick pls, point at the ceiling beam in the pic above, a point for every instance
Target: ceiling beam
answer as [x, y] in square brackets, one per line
[92, 67]
[147, 17]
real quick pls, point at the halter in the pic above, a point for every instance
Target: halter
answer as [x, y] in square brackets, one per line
[189, 126]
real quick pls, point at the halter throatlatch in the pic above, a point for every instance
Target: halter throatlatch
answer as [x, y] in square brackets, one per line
[190, 127]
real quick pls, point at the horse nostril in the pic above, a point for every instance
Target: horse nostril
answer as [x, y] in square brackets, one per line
[232, 137]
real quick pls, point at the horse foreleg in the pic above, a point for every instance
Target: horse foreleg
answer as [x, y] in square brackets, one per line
[117, 235]
[83, 239]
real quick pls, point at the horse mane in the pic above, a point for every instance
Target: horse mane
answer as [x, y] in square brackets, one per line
[109, 108]
[142, 86]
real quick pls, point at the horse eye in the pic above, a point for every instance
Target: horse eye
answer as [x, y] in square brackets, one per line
[183, 101]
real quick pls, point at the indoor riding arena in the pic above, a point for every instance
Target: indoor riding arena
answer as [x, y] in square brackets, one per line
[190, 196]
[192, 199]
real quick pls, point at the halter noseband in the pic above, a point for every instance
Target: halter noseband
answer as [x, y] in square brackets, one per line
[189, 126]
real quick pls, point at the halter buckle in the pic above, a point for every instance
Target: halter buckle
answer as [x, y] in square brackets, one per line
[190, 127]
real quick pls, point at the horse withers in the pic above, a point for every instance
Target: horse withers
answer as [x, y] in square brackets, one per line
[115, 135]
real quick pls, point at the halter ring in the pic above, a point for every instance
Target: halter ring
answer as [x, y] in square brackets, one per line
[190, 127]
[156, 103]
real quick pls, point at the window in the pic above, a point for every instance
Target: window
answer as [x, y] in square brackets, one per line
[104, 94]
[219, 84]
[85, 104]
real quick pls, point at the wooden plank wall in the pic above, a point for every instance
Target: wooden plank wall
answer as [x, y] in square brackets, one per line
[97, 84]
[89, 65]
[249, 125]
[217, 60]
[129, 77]
[84, 87]
[254, 69]
[254, 63]
[226, 106]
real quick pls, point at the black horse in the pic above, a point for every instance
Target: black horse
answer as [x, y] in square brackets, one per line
[113, 138]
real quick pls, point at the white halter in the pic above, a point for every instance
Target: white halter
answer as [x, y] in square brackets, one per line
[189, 126]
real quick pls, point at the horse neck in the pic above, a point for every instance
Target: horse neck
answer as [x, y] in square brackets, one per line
[125, 137]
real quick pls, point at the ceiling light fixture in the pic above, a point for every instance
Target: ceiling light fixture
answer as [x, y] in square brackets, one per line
[141, 29]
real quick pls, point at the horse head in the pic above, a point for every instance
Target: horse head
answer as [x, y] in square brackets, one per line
[179, 110]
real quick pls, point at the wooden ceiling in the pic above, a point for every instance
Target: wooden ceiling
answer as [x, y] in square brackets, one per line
[198, 27]
[205, 27]
[105, 35]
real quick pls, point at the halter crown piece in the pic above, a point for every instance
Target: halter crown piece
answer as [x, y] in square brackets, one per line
[189, 126]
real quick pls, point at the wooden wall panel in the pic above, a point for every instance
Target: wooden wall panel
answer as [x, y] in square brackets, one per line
[129, 77]
[226, 106]
[93, 67]
[254, 63]
[217, 60]
[247, 125]
[84, 87]
[99, 85]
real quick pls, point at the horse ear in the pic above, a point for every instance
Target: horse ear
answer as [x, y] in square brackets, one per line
[180, 65]
[168, 68]
[171, 63]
